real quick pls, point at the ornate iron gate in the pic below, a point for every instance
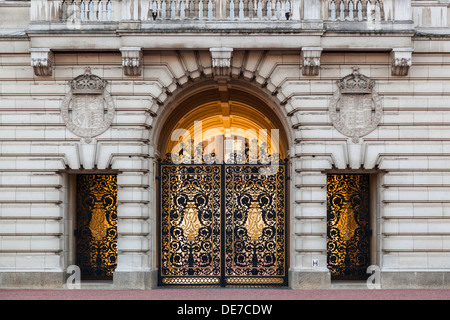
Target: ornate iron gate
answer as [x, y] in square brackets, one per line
[222, 225]
[348, 226]
[191, 202]
[255, 224]
[96, 233]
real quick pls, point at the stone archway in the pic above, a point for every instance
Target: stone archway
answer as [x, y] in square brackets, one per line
[235, 112]
[238, 104]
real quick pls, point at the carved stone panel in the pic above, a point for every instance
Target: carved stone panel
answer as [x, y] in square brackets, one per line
[355, 108]
[88, 109]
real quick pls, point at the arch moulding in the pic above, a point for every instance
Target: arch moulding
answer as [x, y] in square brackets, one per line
[237, 98]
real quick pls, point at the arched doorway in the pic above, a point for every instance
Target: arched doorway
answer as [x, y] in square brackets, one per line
[223, 199]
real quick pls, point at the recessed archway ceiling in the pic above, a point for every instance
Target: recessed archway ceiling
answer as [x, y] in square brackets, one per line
[233, 114]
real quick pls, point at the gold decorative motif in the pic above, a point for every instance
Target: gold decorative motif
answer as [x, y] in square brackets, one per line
[347, 223]
[98, 224]
[255, 223]
[191, 224]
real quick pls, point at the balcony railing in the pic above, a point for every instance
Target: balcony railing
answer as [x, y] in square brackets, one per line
[356, 10]
[334, 14]
[86, 11]
[73, 10]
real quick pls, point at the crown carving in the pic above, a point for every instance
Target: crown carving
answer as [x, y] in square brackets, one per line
[88, 83]
[356, 83]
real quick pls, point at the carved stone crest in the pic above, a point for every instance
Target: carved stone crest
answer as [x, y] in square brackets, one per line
[87, 109]
[355, 109]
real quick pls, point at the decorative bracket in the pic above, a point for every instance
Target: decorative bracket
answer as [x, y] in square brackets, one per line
[132, 60]
[311, 60]
[221, 61]
[42, 61]
[401, 59]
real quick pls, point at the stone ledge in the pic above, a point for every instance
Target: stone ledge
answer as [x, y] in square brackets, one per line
[305, 280]
[135, 279]
[309, 280]
[415, 280]
[37, 280]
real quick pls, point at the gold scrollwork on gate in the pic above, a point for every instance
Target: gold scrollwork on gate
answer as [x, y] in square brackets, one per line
[190, 222]
[255, 222]
[222, 224]
[348, 225]
[96, 225]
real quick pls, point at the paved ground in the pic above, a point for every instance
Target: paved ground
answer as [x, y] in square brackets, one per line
[224, 294]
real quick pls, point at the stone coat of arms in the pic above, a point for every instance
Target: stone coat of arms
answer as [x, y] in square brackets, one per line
[355, 108]
[88, 109]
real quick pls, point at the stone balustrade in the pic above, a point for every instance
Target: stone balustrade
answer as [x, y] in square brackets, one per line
[91, 11]
[356, 10]
[67, 10]
[86, 11]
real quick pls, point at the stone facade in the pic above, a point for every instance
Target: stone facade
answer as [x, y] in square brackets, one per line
[148, 64]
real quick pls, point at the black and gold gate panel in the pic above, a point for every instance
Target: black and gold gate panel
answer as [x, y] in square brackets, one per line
[222, 225]
[190, 225]
[348, 231]
[255, 238]
[96, 220]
